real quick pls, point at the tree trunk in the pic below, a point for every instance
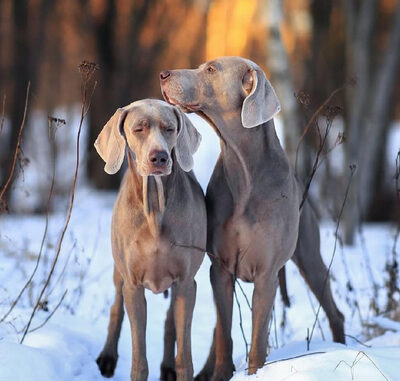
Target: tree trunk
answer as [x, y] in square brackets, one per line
[278, 63]
[103, 104]
[21, 73]
[359, 29]
[374, 135]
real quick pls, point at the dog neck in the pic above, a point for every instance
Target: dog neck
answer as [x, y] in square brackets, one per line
[249, 155]
[150, 190]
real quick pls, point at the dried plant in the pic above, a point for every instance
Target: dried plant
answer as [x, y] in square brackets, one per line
[86, 70]
[352, 170]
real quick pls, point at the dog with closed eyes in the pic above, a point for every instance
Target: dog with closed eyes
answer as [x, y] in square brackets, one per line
[157, 232]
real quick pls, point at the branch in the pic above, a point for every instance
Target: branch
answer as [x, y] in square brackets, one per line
[315, 115]
[358, 358]
[294, 357]
[51, 314]
[352, 170]
[48, 204]
[246, 344]
[86, 69]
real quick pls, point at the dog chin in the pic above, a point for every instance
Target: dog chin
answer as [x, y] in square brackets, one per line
[160, 173]
[156, 172]
[174, 101]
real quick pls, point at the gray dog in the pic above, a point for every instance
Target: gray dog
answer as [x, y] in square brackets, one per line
[158, 226]
[254, 222]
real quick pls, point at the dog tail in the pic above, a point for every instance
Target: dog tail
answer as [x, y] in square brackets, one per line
[283, 287]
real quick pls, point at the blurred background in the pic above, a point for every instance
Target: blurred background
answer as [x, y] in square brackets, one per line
[335, 65]
[307, 48]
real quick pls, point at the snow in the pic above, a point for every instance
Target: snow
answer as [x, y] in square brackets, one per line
[66, 347]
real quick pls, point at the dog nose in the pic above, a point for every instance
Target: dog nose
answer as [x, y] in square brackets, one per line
[164, 75]
[158, 158]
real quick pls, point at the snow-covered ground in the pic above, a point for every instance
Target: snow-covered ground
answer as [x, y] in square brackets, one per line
[66, 347]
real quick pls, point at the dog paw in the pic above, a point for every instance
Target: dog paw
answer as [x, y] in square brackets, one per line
[167, 373]
[224, 374]
[203, 376]
[107, 364]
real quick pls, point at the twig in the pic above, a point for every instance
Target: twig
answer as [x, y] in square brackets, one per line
[315, 314]
[359, 357]
[48, 203]
[62, 272]
[240, 311]
[358, 341]
[316, 161]
[352, 169]
[367, 261]
[86, 70]
[17, 148]
[241, 323]
[339, 140]
[393, 268]
[349, 284]
[244, 294]
[294, 357]
[275, 330]
[315, 115]
[51, 314]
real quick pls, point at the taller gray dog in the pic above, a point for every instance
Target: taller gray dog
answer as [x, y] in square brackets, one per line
[254, 222]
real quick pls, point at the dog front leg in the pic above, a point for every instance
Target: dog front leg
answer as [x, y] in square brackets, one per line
[168, 362]
[184, 294]
[222, 285]
[108, 357]
[263, 299]
[135, 304]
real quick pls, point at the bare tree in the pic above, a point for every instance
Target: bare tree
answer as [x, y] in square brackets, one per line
[278, 63]
[359, 28]
[104, 104]
[369, 104]
[20, 71]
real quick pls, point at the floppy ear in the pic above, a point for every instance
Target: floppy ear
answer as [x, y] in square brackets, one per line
[262, 104]
[187, 142]
[110, 144]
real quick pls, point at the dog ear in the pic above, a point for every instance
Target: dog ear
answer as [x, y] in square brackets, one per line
[261, 104]
[110, 144]
[188, 141]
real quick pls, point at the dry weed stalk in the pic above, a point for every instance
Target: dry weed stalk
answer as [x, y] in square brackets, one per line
[86, 70]
[304, 99]
[295, 357]
[52, 135]
[352, 170]
[392, 284]
[360, 355]
[246, 344]
[331, 112]
[51, 313]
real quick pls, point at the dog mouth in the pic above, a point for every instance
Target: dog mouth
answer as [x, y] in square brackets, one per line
[164, 170]
[158, 173]
[186, 107]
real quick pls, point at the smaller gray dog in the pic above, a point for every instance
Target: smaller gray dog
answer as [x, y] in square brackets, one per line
[158, 226]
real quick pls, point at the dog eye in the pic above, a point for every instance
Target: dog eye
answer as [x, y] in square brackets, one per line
[139, 129]
[170, 129]
[211, 69]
